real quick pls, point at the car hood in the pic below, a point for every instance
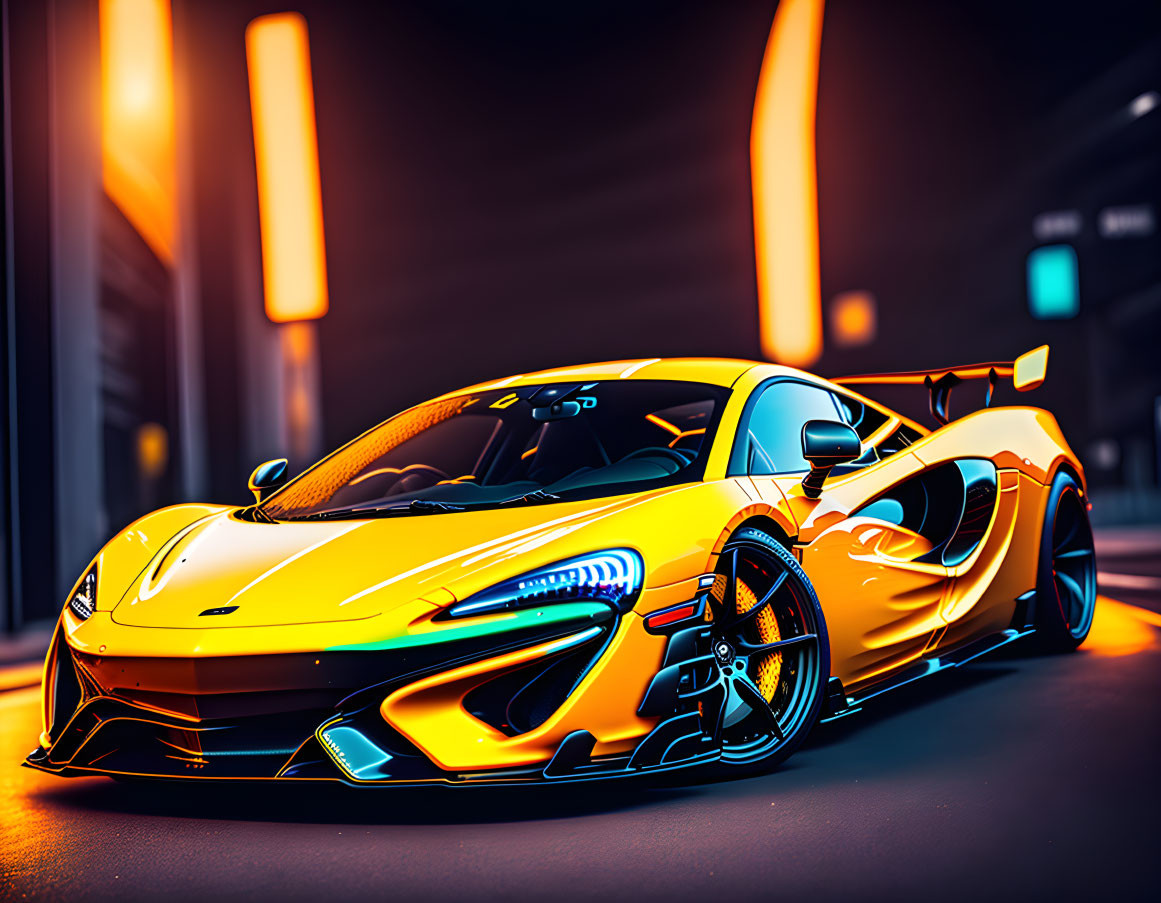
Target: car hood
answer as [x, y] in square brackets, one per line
[324, 571]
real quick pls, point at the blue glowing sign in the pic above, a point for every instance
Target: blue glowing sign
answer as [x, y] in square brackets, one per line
[1053, 283]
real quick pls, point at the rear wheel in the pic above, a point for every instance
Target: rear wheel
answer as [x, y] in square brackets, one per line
[771, 653]
[1066, 582]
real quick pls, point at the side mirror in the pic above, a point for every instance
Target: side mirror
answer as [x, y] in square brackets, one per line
[268, 477]
[826, 444]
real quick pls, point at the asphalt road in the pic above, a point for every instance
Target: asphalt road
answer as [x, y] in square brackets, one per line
[1017, 776]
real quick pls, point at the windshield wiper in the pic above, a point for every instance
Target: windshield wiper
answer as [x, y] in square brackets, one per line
[432, 505]
[429, 506]
[532, 498]
[254, 514]
[415, 506]
[259, 515]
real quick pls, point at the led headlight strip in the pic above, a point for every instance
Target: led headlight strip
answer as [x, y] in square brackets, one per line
[612, 576]
[84, 600]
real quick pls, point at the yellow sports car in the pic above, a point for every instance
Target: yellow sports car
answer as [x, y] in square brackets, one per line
[601, 571]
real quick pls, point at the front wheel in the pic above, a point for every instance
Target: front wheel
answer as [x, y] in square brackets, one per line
[772, 654]
[1066, 579]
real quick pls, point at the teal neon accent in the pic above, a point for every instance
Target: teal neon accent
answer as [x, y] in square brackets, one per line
[488, 625]
[1053, 283]
[355, 754]
[575, 640]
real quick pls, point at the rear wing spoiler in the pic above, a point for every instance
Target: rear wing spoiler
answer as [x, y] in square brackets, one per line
[1027, 372]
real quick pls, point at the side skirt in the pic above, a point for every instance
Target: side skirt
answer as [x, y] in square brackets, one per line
[951, 659]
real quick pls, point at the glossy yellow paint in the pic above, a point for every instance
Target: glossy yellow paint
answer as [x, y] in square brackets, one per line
[350, 584]
[1003, 567]
[888, 614]
[127, 553]
[430, 713]
[884, 609]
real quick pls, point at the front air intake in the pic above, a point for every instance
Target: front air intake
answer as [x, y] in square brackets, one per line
[523, 699]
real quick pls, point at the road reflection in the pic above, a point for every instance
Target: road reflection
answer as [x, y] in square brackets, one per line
[47, 824]
[1121, 629]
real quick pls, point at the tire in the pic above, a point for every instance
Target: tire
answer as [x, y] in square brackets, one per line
[1066, 570]
[758, 732]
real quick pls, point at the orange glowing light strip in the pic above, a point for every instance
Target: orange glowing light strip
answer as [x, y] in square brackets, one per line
[678, 434]
[782, 166]
[664, 424]
[138, 144]
[686, 434]
[286, 152]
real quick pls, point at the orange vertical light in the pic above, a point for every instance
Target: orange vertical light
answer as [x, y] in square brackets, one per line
[784, 185]
[137, 118]
[286, 151]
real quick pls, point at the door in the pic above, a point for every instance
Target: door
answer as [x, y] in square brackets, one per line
[877, 573]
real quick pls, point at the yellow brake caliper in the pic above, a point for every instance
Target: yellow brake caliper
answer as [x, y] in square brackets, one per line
[770, 667]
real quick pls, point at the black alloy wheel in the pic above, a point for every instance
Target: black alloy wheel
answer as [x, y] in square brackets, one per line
[771, 655]
[1066, 584]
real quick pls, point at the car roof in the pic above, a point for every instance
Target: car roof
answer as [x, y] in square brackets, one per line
[712, 370]
[717, 371]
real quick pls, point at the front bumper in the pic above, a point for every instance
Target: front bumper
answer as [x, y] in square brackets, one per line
[188, 718]
[550, 707]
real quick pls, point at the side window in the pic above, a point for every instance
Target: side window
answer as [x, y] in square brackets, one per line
[862, 418]
[898, 440]
[774, 439]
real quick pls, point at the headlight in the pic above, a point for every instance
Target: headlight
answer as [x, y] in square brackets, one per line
[612, 576]
[84, 600]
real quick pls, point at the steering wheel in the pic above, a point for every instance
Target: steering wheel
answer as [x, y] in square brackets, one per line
[659, 451]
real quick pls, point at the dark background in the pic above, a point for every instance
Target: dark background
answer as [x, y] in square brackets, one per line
[520, 185]
[509, 186]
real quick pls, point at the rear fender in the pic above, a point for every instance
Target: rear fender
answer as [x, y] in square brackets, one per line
[1028, 440]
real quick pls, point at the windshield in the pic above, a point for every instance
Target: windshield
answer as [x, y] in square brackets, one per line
[520, 445]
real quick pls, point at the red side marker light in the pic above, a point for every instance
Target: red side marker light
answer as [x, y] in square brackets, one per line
[672, 615]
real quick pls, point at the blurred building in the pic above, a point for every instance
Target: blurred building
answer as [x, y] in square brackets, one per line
[1060, 165]
[519, 185]
[113, 340]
